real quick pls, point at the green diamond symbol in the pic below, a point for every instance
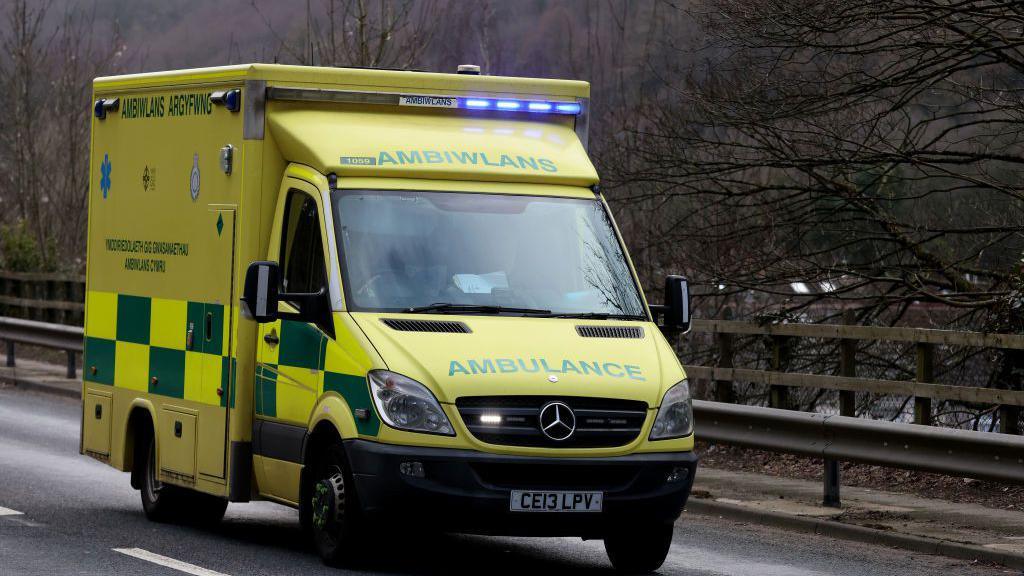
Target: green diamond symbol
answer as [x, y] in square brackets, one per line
[220, 224]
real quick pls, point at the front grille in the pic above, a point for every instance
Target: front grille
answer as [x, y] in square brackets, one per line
[440, 326]
[600, 422]
[556, 476]
[591, 331]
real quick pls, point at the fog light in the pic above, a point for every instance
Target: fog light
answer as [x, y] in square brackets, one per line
[678, 474]
[414, 469]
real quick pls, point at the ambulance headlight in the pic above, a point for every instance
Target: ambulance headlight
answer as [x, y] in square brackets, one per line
[405, 404]
[675, 417]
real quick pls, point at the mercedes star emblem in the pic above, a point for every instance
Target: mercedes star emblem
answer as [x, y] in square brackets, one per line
[557, 421]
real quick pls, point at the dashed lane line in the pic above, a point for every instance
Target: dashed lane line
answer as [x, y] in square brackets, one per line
[9, 512]
[168, 562]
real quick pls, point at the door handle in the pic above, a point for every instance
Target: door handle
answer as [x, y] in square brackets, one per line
[271, 338]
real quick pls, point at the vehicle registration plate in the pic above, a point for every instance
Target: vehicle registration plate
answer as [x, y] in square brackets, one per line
[528, 501]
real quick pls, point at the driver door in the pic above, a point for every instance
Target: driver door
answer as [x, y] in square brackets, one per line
[289, 372]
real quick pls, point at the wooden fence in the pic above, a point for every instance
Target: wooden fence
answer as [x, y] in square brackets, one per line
[923, 389]
[43, 296]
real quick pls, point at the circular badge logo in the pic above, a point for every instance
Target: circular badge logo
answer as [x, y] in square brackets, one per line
[557, 421]
[193, 184]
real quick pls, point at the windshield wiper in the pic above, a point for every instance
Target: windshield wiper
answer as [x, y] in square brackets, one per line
[449, 308]
[597, 316]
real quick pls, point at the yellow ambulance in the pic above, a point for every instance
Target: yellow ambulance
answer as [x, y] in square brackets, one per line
[389, 299]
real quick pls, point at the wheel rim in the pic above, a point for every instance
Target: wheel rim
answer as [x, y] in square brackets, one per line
[328, 504]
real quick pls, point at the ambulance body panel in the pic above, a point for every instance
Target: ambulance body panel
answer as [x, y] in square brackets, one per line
[368, 197]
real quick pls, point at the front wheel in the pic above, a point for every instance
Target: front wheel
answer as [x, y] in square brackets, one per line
[334, 512]
[639, 551]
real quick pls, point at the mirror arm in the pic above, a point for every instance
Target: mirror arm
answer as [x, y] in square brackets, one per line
[657, 312]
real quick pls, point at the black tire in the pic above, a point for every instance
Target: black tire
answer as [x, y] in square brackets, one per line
[160, 502]
[165, 503]
[334, 512]
[201, 509]
[639, 551]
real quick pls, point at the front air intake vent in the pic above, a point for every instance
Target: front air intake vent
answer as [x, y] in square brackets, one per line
[441, 326]
[610, 331]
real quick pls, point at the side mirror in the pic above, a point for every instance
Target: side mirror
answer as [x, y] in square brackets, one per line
[260, 292]
[676, 310]
[261, 296]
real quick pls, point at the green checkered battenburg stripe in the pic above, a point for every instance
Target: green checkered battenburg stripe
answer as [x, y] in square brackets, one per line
[304, 346]
[166, 365]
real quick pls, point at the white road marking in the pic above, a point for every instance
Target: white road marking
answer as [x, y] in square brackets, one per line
[9, 512]
[168, 562]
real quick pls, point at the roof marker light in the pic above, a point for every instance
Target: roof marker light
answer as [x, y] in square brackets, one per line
[569, 108]
[508, 104]
[539, 107]
[476, 103]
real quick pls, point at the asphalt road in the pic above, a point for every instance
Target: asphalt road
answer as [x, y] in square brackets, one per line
[75, 513]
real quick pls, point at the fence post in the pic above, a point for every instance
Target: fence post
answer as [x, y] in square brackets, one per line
[10, 353]
[72, 369]
[51, 314]
[848, 367]
[778, 396]
[68, 315]
[724, 391]
[1009, 419]
[925, 374]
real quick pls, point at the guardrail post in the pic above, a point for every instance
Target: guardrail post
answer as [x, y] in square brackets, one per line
[925, 374]
[72, 369]
[778, 396]
[847, 407]
[10, 353]
[831, 498]
[724, 391]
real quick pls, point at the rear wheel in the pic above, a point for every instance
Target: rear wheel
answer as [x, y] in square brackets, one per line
[334, 511]
[159, 501]
[639, 551]
[165, 503]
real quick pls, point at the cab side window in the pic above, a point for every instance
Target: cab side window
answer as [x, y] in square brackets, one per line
[302, 252]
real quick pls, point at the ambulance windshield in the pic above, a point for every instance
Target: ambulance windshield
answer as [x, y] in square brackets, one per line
[481, 253]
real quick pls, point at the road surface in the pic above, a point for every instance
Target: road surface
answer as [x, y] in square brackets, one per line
[62, 513]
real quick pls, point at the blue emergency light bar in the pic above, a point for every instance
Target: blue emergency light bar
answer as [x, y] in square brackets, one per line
[509, 105]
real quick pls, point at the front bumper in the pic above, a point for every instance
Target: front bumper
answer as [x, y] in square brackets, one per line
[469, 491]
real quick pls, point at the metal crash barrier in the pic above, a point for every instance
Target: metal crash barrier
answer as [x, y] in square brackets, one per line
[983, 455]
[58, 336]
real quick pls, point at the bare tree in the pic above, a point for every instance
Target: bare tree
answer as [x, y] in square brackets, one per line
[868, 150]
[46, 71]
[362, 33]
